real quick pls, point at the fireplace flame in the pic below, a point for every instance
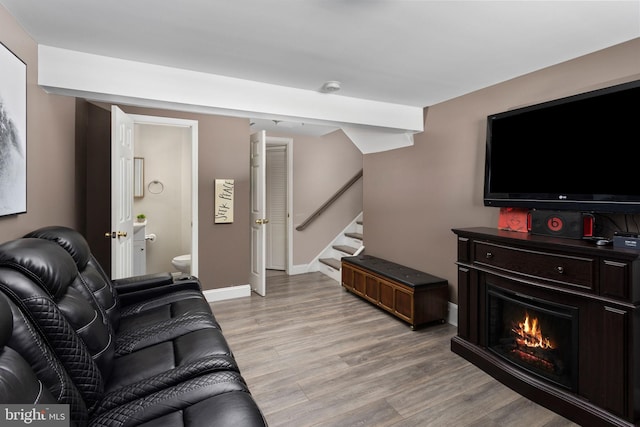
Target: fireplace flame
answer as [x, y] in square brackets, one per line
[529, 334]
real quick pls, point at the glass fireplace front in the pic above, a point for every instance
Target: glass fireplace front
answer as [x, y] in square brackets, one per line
[538, 336]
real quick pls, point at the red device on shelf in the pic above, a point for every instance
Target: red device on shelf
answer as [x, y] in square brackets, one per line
[513, 219]
[573, 225]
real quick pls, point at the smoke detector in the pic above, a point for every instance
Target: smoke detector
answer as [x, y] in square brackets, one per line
[330, 86]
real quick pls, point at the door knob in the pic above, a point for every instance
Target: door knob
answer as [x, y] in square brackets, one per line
[262, 221]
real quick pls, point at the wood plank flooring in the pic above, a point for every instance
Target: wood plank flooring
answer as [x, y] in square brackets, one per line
[316, 355]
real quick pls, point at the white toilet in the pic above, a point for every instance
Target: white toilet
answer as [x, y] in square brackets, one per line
[182, 263]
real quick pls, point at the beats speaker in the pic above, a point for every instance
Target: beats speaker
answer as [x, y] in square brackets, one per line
[573, 225]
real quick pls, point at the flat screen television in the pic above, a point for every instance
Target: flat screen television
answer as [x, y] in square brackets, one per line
[579, 153]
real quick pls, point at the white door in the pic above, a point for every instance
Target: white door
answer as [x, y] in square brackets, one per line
[276, 196]
[258, 209]
[121, 194]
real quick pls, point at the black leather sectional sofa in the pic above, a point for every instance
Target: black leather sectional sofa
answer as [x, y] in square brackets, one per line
[142, 351]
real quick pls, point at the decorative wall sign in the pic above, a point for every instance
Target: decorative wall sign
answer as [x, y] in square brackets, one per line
[223, 201]
[13, 133]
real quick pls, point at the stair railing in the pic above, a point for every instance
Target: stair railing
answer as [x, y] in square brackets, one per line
[329, 202]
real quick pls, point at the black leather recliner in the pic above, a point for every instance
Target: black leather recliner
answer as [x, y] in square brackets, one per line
[140, 309]
[174, 371]
[138, 300]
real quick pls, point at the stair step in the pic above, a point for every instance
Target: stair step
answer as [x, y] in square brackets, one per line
[331, 262]
[354, 235]
[346, 249]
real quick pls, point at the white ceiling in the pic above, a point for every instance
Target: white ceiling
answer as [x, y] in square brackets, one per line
[411, 52]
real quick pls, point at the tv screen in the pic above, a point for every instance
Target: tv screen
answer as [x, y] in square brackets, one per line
[578, 153]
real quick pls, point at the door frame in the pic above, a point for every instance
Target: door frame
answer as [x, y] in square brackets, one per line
[288, 144]
[193, 126]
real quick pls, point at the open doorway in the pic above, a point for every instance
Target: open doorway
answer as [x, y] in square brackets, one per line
[95, 137]
[168, 149]
[279, 232]
[259, 222]
[276, 198]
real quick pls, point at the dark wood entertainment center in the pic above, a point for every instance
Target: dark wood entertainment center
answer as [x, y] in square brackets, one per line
[593, 290]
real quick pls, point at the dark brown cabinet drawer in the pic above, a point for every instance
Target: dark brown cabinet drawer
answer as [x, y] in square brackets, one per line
[563, 269]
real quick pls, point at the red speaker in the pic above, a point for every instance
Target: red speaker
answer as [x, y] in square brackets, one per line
[573, 225]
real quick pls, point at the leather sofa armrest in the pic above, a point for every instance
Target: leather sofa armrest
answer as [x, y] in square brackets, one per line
[146, 281]
[144, 294]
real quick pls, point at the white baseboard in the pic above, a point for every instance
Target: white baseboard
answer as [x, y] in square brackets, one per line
[453, 314]
[230, 292]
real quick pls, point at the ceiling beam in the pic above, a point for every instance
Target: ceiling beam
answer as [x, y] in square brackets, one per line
[109, 79]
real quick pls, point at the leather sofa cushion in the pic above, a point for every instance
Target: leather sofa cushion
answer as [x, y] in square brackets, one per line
[165, 356]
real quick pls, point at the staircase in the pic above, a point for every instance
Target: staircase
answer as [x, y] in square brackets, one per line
[349, 243]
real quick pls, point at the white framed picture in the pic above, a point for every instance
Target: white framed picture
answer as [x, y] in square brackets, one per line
[13, 133]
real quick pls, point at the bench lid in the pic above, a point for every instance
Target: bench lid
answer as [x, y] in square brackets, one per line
[391, 270]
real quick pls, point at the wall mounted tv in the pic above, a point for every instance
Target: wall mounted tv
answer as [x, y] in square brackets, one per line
[580, 153]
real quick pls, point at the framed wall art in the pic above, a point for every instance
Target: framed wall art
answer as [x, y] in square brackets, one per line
[223, 201]
[13, 133]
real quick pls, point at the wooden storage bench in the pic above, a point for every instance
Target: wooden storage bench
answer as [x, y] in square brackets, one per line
[409, 294]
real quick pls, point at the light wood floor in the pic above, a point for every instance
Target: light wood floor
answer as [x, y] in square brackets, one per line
[316, 355]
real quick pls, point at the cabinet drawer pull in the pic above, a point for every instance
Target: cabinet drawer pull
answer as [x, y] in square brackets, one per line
[489, 255]
[560, 269]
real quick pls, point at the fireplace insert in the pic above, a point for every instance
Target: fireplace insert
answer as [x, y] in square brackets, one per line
[538, 336]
